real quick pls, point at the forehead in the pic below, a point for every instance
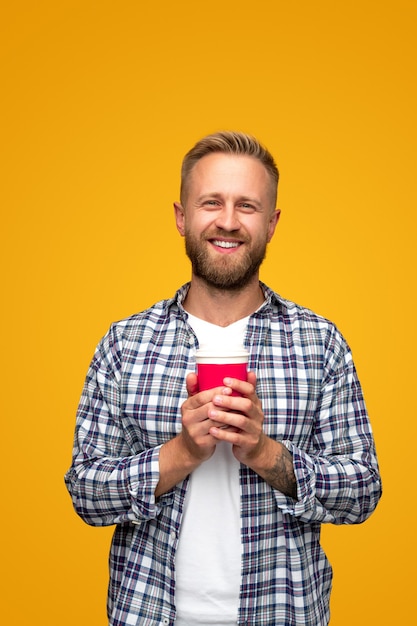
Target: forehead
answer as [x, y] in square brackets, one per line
[229, 173]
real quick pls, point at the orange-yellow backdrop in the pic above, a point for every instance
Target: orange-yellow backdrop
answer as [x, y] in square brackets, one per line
[100, 102]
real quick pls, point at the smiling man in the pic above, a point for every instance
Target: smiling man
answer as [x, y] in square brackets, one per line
[218, 498]
[228, 202]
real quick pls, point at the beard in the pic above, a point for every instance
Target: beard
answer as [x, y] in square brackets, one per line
[225, 272]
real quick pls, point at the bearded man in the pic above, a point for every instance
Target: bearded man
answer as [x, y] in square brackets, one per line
[218, 495]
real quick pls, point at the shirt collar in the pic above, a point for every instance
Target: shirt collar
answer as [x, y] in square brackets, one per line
[272, 300]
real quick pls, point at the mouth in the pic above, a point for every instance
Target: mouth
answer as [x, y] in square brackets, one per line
[224, 244]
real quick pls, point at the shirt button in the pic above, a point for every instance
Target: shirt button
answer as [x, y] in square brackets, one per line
[173, 535]
[165, 621]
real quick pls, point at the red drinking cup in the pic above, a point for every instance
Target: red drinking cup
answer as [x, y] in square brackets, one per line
[214, 366]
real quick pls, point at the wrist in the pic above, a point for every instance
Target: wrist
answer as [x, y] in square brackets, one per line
[263, 457]
[186, 457]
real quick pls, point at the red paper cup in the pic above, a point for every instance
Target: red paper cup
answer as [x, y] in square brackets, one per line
[213, 367]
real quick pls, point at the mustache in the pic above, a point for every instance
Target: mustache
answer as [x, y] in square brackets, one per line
[218, 233]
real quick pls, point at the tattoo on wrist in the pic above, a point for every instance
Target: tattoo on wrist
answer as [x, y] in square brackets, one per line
[281, 475]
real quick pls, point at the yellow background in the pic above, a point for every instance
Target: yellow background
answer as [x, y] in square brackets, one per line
[100, 100]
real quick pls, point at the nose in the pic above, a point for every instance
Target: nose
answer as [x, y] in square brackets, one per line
[228, 219]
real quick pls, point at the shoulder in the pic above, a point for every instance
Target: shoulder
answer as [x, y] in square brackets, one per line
[160, 318]
[302, 324]
[279, 306]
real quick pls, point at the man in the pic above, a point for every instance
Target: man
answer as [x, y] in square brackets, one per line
[218, 499]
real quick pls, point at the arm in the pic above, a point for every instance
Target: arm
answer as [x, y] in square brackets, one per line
[108, 483]
[244, 416]
[195, 444]
[337, 479]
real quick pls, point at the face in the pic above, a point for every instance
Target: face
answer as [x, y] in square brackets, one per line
[227, 219]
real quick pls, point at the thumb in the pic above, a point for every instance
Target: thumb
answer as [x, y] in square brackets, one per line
[192, 384]
[252, 378]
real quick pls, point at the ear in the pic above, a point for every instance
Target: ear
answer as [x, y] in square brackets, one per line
[179, 218]
[273, 224]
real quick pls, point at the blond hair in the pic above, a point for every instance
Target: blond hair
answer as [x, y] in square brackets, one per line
[229, 142]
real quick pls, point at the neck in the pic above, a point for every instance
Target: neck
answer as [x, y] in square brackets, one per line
[222, 307]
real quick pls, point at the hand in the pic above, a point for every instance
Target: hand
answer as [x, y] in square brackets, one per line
[244, 416]
[181, 455]
[239, 419]
[196, 423]
[214, 415]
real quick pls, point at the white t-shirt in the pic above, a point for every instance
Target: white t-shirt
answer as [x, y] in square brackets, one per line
[208, 559]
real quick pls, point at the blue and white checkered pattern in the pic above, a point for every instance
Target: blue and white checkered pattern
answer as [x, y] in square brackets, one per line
[312, 401]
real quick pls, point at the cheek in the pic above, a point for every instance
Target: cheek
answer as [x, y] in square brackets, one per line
[260, 232]
[199, 225]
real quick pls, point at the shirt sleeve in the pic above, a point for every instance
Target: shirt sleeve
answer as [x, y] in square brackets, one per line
[338, 477]
[108, 484]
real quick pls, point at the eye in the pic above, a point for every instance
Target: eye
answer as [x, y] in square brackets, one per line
[210, 204]
[247, 207]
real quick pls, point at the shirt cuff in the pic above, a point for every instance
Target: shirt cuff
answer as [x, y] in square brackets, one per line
[306, 505]
[143, 480]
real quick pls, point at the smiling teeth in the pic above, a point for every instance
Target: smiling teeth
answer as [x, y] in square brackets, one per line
[226, 244]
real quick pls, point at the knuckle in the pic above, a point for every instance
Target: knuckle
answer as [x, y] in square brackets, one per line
[247, 405]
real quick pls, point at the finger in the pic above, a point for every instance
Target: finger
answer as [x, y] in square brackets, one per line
[244, 388]
[192, 384]
[230, 434]
[237, 404]
[252, 379]
[226, 418]
[238, 429]
[197, 398]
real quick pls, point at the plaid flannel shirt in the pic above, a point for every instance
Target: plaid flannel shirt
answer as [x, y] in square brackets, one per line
[313, 404]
